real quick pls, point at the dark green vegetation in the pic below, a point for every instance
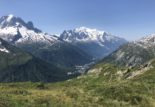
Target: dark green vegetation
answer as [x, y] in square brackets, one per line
[18, 65]
[61, 54]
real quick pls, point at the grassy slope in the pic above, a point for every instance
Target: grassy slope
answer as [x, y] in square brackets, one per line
[93, 90]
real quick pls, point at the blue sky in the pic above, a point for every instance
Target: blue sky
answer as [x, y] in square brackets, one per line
[131, 19]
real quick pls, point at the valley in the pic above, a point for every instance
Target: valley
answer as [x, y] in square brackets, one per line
[81, 67]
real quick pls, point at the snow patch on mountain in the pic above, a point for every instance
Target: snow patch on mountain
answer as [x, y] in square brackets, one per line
[149, 38]
[9, 17]
[8, 30]
[147, 41]
[4, 50]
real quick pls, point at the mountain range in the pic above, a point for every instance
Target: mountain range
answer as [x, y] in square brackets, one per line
[45, 46]
[107, 70]
[72, 51]
[68, 52]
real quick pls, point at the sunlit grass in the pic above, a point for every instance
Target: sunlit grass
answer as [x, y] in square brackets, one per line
[86, 91]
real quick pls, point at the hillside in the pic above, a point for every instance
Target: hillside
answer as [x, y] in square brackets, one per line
[93, 89]
[134, 53]
[17, 65]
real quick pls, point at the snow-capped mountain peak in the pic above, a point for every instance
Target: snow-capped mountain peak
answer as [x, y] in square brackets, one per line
[15, 30]
[88, 34]
[84, 34]
[100, 41]
[13, 21]
[89, 31]
[10, 20]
